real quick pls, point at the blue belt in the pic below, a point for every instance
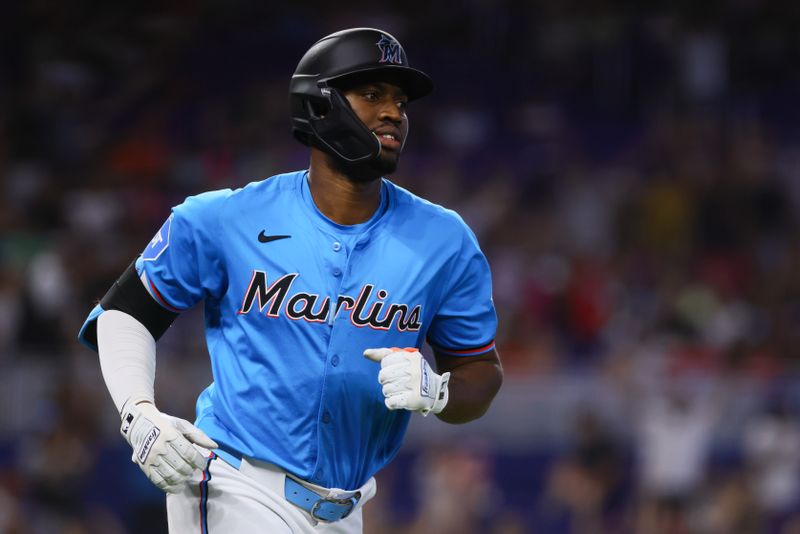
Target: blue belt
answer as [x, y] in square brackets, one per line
[320, 508]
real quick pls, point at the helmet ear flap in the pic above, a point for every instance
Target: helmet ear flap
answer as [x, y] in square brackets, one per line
[315, 110]
[340, 130]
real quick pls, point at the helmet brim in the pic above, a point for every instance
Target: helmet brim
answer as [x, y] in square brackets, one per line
[413, 82]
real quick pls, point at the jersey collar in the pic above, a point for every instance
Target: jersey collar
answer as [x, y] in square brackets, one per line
[324, 223]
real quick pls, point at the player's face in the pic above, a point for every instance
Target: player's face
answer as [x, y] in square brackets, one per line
[381, 107]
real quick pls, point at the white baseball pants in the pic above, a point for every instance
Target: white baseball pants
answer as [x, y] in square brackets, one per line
[251, 500]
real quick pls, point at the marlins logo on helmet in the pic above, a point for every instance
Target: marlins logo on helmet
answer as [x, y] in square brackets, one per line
[390, 50]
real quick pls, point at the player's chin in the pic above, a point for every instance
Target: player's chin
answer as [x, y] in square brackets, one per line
[369, 171]
[386, 163]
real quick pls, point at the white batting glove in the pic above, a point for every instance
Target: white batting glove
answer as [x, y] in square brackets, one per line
[162, 445]
[408, 381]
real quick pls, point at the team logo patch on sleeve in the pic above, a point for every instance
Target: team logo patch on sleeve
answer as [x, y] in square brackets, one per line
[159, 243]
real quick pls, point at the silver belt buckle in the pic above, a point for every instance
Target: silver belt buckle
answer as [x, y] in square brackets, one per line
[351, 501]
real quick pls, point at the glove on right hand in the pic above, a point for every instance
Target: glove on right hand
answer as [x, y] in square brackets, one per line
[162, 445]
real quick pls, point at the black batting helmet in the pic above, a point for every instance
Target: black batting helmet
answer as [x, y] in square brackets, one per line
[321, 113]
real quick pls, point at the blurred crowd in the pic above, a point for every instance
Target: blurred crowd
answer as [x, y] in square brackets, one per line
[632, 173]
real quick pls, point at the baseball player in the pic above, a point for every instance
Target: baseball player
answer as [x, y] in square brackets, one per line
[320, 287]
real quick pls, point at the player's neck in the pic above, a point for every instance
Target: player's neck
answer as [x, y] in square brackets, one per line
[340, 198]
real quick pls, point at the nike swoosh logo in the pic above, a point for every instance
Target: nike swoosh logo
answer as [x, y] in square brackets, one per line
[264, 238]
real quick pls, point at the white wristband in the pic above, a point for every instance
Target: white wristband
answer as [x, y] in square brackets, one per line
[127, 357]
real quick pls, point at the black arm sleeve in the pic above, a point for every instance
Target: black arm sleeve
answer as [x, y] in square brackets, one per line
[129, 295]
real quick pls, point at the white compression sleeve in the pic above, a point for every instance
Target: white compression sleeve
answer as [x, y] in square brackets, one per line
[127, 357]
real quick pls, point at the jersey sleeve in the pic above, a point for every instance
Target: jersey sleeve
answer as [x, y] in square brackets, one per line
[88, 332]
[466, 321]
[182, 264]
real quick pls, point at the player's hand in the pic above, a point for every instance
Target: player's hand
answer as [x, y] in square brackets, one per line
[408, 381]
[162, 445]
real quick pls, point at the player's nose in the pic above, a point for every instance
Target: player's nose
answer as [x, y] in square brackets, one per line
[391, 111]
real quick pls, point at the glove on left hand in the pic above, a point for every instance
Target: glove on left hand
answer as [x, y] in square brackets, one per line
[408, 381]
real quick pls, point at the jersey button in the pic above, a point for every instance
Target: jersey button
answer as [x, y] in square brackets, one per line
[326, 417]
[337, 272]
[337, 246]
[335, 360]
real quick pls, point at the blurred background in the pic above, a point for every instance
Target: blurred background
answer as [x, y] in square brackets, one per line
[632, 173]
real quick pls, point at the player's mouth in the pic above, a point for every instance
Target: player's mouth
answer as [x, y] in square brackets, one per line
[390, 139]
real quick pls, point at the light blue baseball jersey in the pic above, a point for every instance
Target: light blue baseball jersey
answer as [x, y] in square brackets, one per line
[293, 299]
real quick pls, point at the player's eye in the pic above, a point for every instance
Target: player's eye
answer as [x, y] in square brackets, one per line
[370, 96]
[402, 104]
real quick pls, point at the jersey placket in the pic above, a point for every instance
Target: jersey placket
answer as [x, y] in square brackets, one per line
[336, 261]
[337, 245]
